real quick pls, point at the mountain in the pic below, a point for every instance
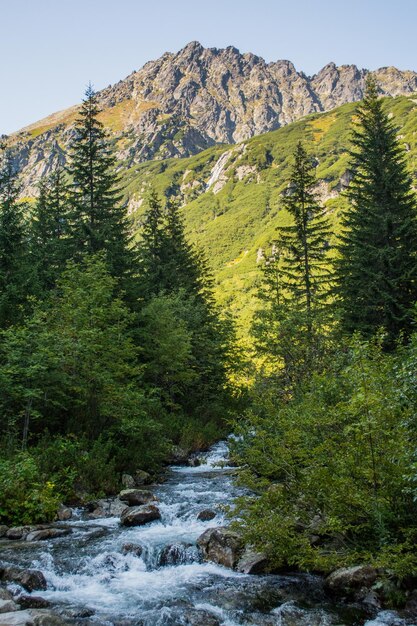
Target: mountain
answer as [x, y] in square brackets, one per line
[184, 103]
[231, 195]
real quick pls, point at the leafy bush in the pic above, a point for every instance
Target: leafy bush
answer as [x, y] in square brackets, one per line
[26, 497]
[332, 468]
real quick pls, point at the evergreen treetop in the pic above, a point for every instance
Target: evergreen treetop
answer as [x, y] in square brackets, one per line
[98, 218]
[377, 270]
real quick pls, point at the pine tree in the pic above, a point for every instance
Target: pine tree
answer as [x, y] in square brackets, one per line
[98, 219]
[152, 250]
[296, 279]
[50, 230]
[15, 267]
[172, 270]
[377, 271]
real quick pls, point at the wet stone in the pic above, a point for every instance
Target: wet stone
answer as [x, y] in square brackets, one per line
[29, 579]
[139, 515]
[136, 497]
[206, 515]
[20, 532]
[132, 548]
[48, 533]
[33, 602]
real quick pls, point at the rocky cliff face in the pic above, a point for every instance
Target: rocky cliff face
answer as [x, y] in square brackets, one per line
[183, 103]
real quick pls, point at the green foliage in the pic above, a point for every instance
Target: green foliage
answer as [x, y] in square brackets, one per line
[78, 466]
[25, 496]
[179, 307]
[73, 366]
[15, 267]
[50, 230]
[98, 221]
[330, 468]
[377, 271]
[290, 326]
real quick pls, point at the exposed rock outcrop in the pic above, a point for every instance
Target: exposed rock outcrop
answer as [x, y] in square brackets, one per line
[183, 103]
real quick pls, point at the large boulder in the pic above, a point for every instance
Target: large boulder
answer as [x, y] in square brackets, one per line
[252, 563]
[136, 497]
[29, 579]
[48, 533]
[349, 580]
[221, 545]
[140, 515]
[3, 530]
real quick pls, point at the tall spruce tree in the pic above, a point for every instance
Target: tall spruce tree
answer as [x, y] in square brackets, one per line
[172, 269]
[377, 271]
[50, 230]
[98, 219]
[15, 266]
[296, 278]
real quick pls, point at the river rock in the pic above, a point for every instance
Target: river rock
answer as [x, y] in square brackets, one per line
[111, 507]
[139, 478]
[128, 481]
[48, 533]
[252, 563]
[30, 579]
[206, 515]
[132, 548]
[174, 554]
[139, 515]
[348, 580]
[31, 617]
[33, 602]
[221, 545]
[3, 530]
[142, 478]
[20, 532]
[64, 513]
[7, 606]
[136, 497]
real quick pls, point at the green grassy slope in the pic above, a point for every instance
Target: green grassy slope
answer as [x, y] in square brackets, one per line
[241, 218]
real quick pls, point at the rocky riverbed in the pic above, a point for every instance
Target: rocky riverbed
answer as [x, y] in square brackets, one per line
[167, 560]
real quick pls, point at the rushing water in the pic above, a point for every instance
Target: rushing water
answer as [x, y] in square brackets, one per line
[90, 577]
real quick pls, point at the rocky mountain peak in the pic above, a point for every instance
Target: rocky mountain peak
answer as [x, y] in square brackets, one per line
[184, 102]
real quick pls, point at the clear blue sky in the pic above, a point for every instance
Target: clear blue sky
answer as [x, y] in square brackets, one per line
[50, 49]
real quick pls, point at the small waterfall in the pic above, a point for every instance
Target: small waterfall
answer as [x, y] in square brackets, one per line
[153, 575]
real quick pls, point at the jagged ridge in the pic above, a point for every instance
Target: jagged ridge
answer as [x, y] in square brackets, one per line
[183, 103]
